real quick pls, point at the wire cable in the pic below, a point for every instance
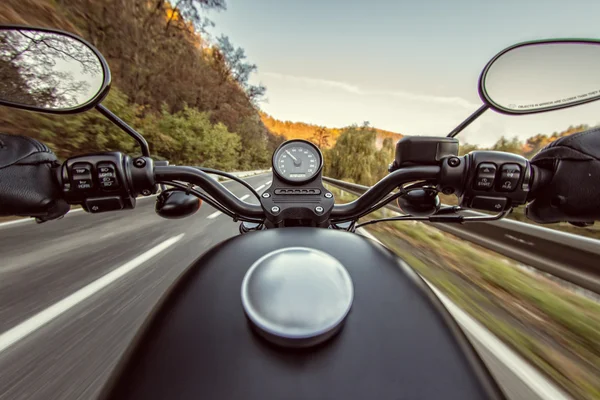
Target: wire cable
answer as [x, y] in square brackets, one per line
[212, 202]
[232, 177]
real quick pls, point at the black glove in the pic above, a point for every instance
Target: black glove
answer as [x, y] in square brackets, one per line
[573, 194]
[28, 186]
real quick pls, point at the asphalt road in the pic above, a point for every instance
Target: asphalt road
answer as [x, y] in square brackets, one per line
[74, 292]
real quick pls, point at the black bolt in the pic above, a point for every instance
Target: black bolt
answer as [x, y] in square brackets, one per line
[139, 162]
[447, 190]
[454, 161]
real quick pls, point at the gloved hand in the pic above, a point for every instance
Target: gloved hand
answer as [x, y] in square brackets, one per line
[573, 194]
[28, 186]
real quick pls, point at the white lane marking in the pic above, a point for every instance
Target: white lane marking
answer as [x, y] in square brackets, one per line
[268, 183]
[214, 215]
[217, 213]
[260, 187]
[32, 324]
[543, 387]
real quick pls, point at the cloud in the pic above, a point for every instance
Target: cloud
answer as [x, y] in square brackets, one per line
[347, 87]
[457, 101]
[316, 82]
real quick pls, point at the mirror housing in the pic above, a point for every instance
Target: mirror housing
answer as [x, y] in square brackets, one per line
[52, 71]
[541, 76]
[175, 203]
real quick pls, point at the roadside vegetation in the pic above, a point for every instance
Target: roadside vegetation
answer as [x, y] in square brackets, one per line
[555, 329]
[187, 92]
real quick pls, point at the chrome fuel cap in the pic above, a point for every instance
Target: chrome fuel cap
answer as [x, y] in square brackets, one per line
[297, 296]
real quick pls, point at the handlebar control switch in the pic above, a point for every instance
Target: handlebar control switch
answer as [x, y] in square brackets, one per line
[103, 204]
[493, 181]
[496, 204]
[509, 177]
[107, 176]
[486, 174]
[81, 176]
[99, 182]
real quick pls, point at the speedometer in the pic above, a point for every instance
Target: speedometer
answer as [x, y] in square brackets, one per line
[297, 161]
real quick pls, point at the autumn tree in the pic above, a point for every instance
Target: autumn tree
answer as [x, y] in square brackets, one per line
[192, 10]
[321, 137]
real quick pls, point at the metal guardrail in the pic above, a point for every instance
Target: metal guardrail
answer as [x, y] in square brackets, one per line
[573, 258]
[243, 174]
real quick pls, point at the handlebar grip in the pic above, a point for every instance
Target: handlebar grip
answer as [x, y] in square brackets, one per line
[540, 178]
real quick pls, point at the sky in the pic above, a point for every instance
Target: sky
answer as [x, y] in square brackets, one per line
[411, 67]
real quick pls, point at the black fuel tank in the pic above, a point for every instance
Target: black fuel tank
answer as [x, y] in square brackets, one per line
[398, 341]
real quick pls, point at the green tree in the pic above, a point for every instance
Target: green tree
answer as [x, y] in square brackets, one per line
[188, 137]
[355, 157]
[513, 145]
[69, 135]
[255, 150]
[234, 65]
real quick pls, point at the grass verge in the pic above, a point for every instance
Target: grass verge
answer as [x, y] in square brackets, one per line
[555, 329]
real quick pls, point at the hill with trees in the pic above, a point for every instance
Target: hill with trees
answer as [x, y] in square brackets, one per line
[189, 94]
[529, 147]
[322, 136]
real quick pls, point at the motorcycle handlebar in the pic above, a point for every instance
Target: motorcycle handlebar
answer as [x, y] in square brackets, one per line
[340, 211]
[540, 178]
[383, 188]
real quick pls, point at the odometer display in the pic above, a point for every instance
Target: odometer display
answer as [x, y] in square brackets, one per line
[297, 161]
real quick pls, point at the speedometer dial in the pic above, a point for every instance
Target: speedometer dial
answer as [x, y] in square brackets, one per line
[297, 161]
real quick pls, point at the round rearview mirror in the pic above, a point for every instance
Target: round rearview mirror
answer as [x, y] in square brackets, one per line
[50, 71]
[541, 76]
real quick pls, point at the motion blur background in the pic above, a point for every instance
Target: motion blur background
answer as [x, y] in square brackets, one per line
[221, 85]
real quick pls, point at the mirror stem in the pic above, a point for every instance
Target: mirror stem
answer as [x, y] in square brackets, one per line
[130, 131]
[468, 121]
